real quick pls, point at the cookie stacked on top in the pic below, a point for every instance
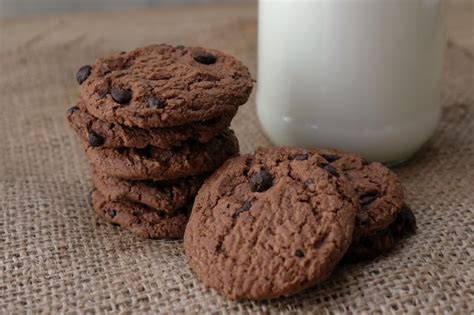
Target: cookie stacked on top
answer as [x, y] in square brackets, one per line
[155, 122]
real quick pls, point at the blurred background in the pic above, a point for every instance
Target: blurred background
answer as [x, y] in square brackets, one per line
[12, 8]
[460, 21]
[460, 18]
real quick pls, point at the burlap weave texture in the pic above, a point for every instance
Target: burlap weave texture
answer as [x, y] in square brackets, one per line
[56, 257]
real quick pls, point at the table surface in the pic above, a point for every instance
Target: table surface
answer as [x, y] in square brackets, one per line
[56, 257]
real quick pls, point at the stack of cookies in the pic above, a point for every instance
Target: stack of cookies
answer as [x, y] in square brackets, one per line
[155, 122]
[278, 221]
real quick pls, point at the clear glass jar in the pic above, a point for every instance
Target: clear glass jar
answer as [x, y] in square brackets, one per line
[359, 75]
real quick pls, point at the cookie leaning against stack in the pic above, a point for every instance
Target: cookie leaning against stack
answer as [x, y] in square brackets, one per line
[276, 222]
[270, 224]
[155, 121]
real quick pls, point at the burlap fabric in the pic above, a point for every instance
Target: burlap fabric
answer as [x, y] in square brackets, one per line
[55, 256]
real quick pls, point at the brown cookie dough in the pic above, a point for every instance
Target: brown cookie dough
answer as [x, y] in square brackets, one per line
[112, 135]
[165, 196]
[190, 159]
[162, 86]
[382, 241]
[140, 220]
[379, 191]
[270, 224]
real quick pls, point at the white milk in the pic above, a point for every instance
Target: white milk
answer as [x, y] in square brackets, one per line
[359, 75]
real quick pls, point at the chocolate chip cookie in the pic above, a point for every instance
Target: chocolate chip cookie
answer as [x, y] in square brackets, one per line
[112, 135]
[162, 86]
[379, 190]
[270, 224]
[165, 196]
[190, 159]
[139, 219]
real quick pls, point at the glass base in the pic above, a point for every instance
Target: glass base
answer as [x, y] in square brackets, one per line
[399, 161]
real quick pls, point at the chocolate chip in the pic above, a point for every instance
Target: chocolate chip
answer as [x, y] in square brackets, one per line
[156, 102]
[331, 169]
[83, 73]
[180, 46]
[113, 213]
[367, 199]
[301, 157]
[205, 58]
[95, 140]
[299, 253]
[245, 207]
[261, 181]
[72, 109]
[121, 96]
[330, 157]
[161, 214]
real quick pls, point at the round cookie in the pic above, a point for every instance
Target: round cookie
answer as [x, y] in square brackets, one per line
[270, 224]
[140, 220]
[165, 196]
[190, 159]
[382, 241]
[379, 190]
[112, 135]
[162, 86]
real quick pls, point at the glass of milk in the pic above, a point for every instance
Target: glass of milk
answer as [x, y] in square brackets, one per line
[358, 75]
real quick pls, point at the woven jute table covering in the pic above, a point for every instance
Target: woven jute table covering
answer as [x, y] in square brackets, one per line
[57, 257]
